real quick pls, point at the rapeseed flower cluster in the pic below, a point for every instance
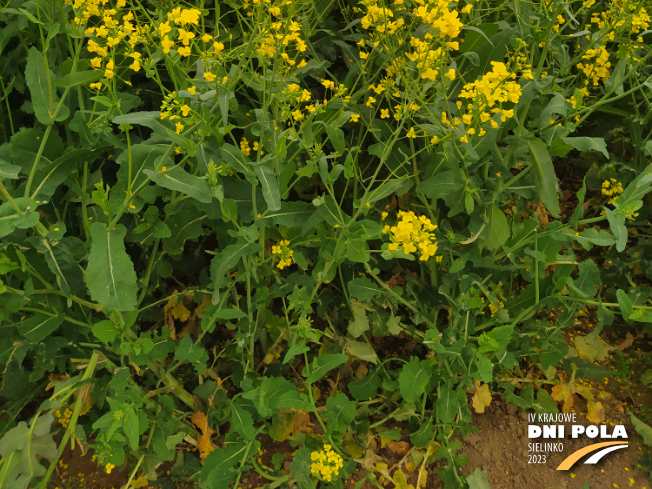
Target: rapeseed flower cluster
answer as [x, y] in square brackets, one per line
[326, 463]
[283, 249]
[612, 188]
[596, 66]
[413, 234]
[117, 29]
[486, 96]
[63, 418]
[174, 110]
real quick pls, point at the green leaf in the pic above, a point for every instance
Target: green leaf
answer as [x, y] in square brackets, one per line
[271, 192]
[323, 365]
[544, 176]
[588, 281]
[217, 471]
[443, 185]
[618, 228]
[478, 480]
[79, 78]
[501, 335]
[642, 429]
[386, 189]
[110, 274]
[300, 469]
[447, 404]
[366, 387]
[340, 412]
[413, 379]
[130, 427]
[597, 237]
[39, 327]
[7, 170]
[360, 322]
[588, 144]
[242, 422]
[187, 351]
[236, 158]
[226, 260]
[105, 331]
[497, 232]
[363, 289]
[36, 76]
[357, 250]
[180, 180]
[362, 351]
[294, 351]
[625, 303]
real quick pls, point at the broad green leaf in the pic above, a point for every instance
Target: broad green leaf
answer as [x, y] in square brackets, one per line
[478, 480]
[340, 412]
[38, 81]
[291, 214]
[642, 429]
[544, 176]
[186, 224]
[271, 192]
[588, 281]
[130, 427]
[79, 78]
[360, 322]
[447, 404]
[300, 469]
[497, 232]
[324, 364]
[236, 158]
[295, 350]
[592, 236]
[443, 185]
[188, 351]
[362, 351]
[105, 331]
[110, 274]
[366, 387]
[7, 170]
[39, 327]
[242, 422]
[180, 180]
[618, 228]
[217, 471]
[363, 289]
[357, 250]
[423, 435]
[386, 189]
[625, 303]
[587, 144]
[413, 379]
[226, 260]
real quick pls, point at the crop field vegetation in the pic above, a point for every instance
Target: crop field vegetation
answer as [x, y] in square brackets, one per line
[306, 244]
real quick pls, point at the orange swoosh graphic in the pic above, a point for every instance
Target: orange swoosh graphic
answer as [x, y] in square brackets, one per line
[575, 456]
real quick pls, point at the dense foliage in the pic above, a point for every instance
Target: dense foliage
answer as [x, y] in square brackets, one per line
[309, 219]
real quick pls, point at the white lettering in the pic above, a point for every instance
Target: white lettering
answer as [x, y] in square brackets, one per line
[550, 431]
[603, 431]
[592, 431]
[619, 432]
[533, 431]
[577, 430]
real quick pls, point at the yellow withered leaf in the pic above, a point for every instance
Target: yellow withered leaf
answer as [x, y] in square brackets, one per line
[481, 397]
